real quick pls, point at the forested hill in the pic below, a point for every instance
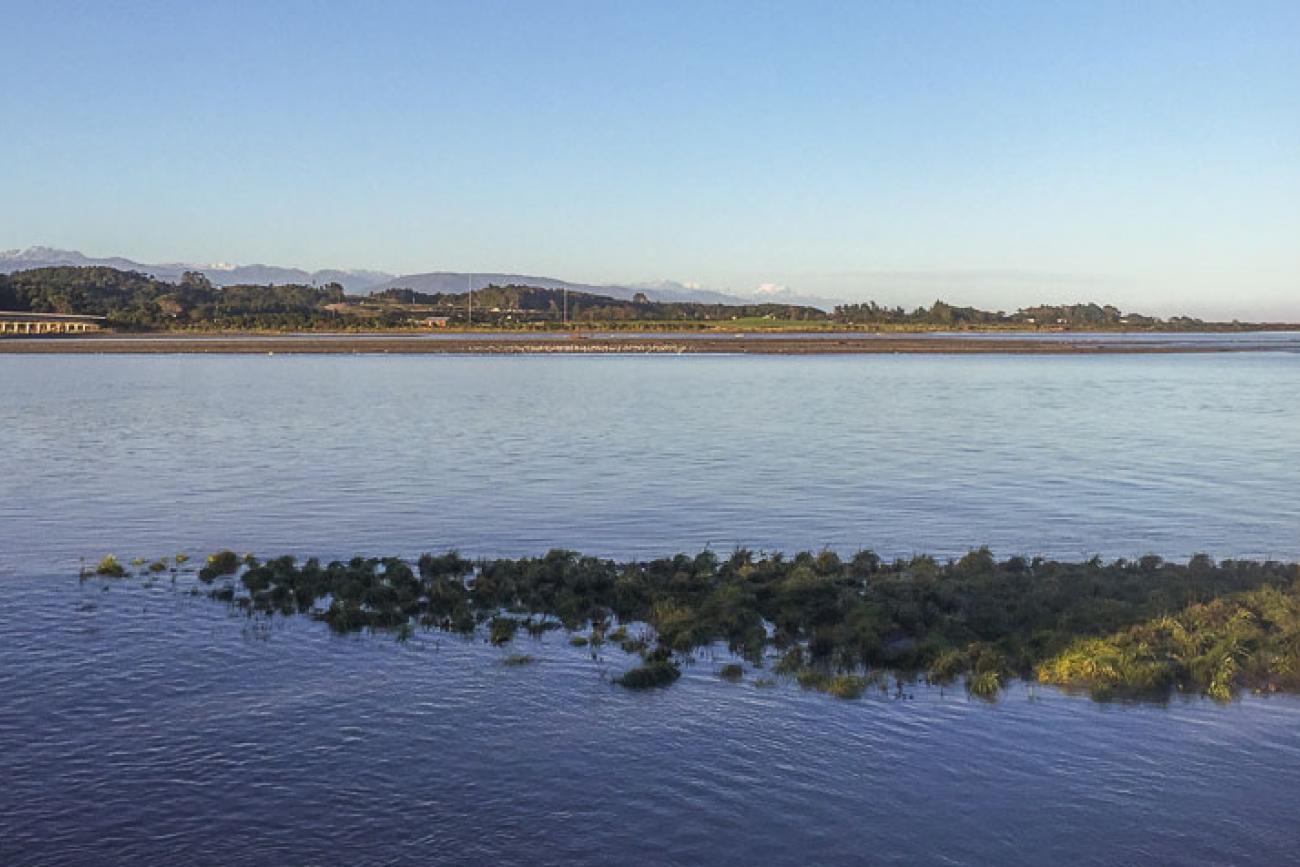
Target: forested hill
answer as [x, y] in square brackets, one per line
[138, 302]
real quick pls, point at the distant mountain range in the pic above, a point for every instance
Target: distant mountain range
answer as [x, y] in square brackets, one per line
[220, 274]
[363, 281]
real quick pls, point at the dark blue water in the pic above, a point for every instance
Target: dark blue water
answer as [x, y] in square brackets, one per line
[143, 725]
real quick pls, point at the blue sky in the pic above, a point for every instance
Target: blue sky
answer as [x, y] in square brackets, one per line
[1146, 153]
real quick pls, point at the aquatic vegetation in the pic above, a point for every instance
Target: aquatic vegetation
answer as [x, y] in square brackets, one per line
[220, 564]
[846, 686]
[502, 630]
[838, 685]
[109, 567]
[158, 566]
[838, 624]
[764, 682]
[518, 659]
[538, 628]
[181, 559]
[948, 666]
[733, 672]
[655, 672]
[985, 684]
[1247, 640]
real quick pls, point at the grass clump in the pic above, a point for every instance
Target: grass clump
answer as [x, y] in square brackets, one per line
[219, 564]
[732, 672]
[633, 645]
[947, 667]
[655, 672]
[1248, 640]
[109, 567]
[579, 641]
[838, 685]
[502, 630]
[985, 684]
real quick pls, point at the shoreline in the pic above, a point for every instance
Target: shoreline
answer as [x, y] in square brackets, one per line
[739, 343]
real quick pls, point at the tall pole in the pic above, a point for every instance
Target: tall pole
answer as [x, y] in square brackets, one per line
[566, 306]
[471, 299]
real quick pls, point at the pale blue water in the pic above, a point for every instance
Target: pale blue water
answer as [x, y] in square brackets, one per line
[636, 455]
[141, 725]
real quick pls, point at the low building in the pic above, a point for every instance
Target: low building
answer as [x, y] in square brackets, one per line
[435, 321]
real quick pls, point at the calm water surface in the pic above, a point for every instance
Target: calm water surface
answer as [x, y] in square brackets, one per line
[1117, 455]
[142, 725]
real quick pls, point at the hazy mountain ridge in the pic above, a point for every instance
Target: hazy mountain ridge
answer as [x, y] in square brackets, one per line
[219, 274]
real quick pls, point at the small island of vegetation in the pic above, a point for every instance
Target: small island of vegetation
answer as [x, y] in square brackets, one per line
[1140, 629]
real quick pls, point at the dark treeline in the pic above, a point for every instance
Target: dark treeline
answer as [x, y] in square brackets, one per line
[533, 304]
[1143, 628]
[138, 302]
[942, 314]
[134, 301]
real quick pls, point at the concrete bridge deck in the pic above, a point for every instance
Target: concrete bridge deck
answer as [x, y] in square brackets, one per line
[19, 322]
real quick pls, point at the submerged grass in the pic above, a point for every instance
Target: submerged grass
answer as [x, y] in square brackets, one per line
[518, 659]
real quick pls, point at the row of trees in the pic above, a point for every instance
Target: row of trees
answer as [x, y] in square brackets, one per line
[135, 301]
[533, 304]
[944, 315]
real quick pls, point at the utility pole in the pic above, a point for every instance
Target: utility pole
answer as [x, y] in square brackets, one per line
[471, 299]
[566, 306]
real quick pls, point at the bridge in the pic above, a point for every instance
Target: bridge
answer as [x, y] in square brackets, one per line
[18, 322]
